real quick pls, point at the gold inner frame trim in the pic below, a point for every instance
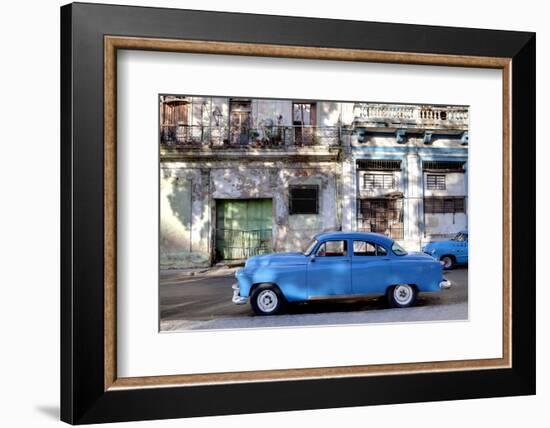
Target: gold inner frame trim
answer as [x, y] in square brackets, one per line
[113, 43]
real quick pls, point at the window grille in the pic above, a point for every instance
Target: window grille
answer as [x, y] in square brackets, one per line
[445, 205]
[378, 181]
[379, 164]
[455, 166]
[382, 215]
[436, 182]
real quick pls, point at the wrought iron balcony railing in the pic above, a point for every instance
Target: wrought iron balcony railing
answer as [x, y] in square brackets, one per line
[233, 136]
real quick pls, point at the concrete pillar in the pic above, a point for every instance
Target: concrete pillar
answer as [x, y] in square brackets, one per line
[205, 226]
[348, 190]
[280, 209]
[413, 201]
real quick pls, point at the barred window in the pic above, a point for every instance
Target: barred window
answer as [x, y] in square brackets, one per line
[445, 205]
[436, 182]
[436, 166]
[378, 181]
[379, 164]
[303, 200]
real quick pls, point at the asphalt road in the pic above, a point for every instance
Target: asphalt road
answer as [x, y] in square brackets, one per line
[203, 301]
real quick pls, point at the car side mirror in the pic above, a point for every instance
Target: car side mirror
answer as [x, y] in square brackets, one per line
[312, 258]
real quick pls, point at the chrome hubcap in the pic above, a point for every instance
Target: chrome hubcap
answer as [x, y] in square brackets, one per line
[447, 262]
[267, 300]
[403, 294]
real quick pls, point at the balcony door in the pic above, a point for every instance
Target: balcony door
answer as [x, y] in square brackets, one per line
[304, 120]
[240, 121]
[174, 119]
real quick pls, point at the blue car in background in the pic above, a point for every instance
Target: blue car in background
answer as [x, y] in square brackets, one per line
[451, 252]
[338, 265]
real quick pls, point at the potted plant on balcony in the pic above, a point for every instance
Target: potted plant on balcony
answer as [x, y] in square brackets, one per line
[254, 137]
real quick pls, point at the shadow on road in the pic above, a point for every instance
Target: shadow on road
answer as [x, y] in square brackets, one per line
[206, 298]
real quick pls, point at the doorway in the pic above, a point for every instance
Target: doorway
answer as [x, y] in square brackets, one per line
[243, 228]
[240, 121]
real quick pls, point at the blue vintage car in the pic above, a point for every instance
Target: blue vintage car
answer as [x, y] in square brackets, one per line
[337, 265]
[451, 252]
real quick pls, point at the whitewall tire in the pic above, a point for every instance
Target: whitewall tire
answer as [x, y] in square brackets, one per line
[401, 296]
[266, 299]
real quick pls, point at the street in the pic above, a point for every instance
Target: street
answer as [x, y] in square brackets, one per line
[202, 300]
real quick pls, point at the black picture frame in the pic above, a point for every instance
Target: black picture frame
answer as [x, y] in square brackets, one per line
[83, 396]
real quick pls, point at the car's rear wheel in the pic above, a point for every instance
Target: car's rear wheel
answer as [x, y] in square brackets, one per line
[401, 295]
[447, 262]
[266, 299]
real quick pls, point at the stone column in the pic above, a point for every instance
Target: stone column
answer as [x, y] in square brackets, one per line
[202, 227]
[413, 199]
[279, 190]
[348, 185]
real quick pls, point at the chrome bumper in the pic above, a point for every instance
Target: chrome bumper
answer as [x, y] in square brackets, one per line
[238, 300]
[445, 284]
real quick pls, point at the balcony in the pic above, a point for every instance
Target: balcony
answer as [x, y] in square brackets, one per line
[403, 116]
[196, 136]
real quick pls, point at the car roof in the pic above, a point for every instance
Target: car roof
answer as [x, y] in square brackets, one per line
[369, 236]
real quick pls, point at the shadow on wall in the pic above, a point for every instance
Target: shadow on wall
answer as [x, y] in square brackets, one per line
[180, 228]
[180, 201]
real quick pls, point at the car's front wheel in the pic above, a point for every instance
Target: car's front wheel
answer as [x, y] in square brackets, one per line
[266, 299]
[401, 295]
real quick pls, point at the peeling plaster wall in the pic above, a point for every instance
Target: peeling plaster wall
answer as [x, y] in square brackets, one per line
[184, 217]
[348, 113]
[290, 232]
[270, 110]
[447, 224]
[220, 111]
[188, 194]
[295, 231]
[328, 113]
[376, 141]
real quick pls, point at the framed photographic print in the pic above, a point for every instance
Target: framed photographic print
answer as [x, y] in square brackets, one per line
[265, 213]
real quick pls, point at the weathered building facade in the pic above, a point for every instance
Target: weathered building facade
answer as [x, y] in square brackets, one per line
[241, 176]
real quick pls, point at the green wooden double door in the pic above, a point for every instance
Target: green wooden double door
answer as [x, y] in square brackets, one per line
[243, 228]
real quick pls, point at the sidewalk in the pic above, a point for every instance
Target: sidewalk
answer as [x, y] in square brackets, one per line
[217, 270]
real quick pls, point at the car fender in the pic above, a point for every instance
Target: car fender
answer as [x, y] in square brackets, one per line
[424, 274]
[290, 279]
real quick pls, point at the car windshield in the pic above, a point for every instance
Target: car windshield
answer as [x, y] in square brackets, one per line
[310, 247]
[397, 249]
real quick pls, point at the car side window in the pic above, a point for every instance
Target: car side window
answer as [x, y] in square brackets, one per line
[332, 249]
[381, 251]
[364, 248]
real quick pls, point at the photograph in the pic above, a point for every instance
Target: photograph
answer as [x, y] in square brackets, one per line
[303, 212]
